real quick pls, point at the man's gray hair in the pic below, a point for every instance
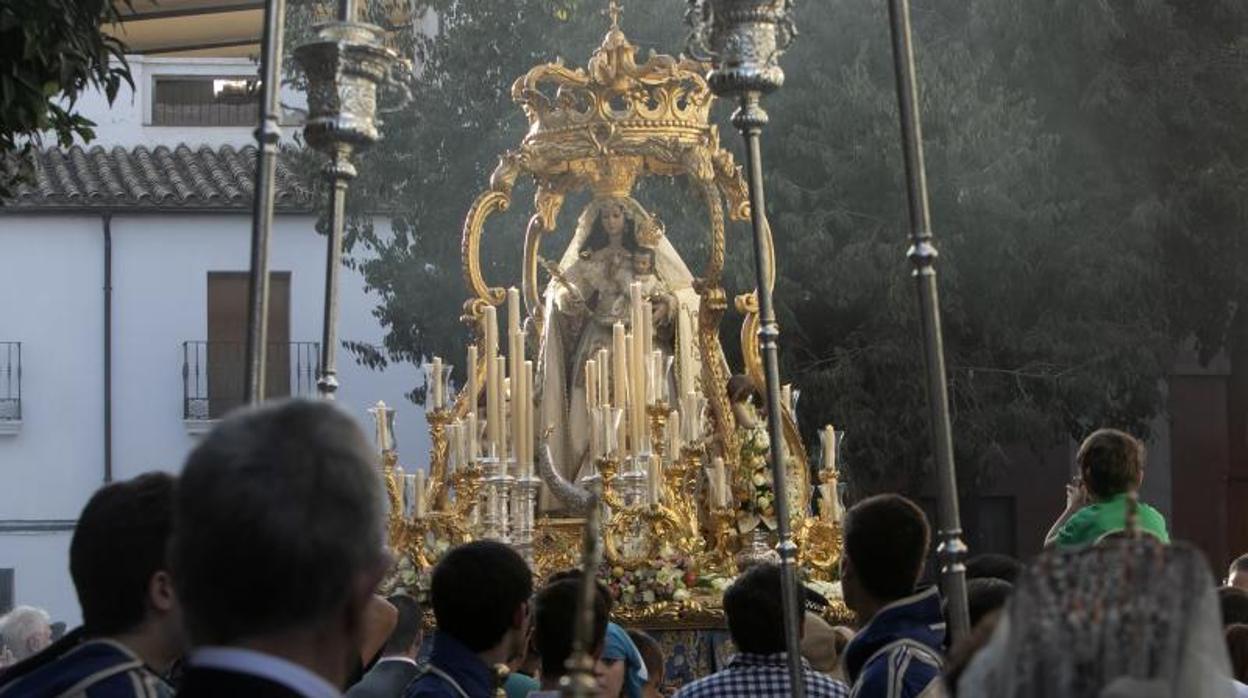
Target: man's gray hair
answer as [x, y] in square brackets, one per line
[278, 512]
[19, 625]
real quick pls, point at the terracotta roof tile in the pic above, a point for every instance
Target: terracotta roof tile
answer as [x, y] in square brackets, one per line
[153, 178]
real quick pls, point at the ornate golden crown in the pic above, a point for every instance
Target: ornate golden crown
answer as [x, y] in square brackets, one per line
[614, 108]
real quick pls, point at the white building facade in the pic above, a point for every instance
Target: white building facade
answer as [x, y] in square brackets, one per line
[120, 317]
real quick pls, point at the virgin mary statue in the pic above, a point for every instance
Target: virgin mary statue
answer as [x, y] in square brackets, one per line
[616, 243]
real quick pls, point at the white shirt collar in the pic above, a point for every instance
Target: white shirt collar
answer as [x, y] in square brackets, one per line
[293, 676]
[399, 658]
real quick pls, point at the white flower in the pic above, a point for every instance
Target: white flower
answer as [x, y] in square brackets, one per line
[647, 596]
[762, 440]
[720, 583]
[681, 595]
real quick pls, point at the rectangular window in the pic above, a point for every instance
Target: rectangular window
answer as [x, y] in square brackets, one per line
[205, 101]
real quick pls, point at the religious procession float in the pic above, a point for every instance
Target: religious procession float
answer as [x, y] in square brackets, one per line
[604, 383]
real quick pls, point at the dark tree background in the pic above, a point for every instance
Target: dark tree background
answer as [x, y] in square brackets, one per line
[1086, 163]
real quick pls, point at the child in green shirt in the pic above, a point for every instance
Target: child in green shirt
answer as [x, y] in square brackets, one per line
[1111, 464]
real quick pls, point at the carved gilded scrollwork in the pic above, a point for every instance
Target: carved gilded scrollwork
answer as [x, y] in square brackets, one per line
[496, 198]
[715, 371]
[546, 203]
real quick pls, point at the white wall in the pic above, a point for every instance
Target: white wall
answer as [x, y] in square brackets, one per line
[51, 279]
[127, 122]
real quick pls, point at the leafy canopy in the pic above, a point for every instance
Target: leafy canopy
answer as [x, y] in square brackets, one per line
[50, 52]
[1073, 149]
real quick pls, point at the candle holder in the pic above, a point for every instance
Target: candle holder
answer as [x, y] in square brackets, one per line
[680, 491]
[608, 470]
[819, 543]
[346, 64]
[467, 483]
[492, 526]
[722, 527]
[394, 498]
[526, 489]
[439, 454]
[658, 414]
[633, 481]
[506, 484]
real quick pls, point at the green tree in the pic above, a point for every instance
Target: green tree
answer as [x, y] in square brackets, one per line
[1049, 325]
[50, 52]
[1062, 177]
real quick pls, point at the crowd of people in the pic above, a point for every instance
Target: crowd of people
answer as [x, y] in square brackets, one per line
[254, 573]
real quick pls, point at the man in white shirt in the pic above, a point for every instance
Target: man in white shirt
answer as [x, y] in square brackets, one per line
[278, 545]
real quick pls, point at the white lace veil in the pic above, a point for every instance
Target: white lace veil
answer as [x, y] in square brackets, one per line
[668, 265]
[556, 396]
[1124, 618]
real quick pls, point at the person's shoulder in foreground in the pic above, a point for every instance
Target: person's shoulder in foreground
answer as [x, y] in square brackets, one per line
[278, 543]
[752, 605]
[898, 651]
[92, 669]
[480, 594]
[761, 675]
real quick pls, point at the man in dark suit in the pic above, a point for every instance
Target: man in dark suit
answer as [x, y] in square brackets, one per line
[397, 666]
[278, 544]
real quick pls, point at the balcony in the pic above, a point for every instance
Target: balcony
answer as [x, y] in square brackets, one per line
[10, 388]
[212, 377]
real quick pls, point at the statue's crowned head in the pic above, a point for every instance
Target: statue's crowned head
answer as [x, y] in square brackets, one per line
[607, 217]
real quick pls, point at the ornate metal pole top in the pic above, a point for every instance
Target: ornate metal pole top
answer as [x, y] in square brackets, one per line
[346, 64]
[744, 40]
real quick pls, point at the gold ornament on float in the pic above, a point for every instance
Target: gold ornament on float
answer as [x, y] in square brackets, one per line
[613, 378]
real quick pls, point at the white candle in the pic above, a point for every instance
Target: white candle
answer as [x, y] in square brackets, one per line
[591, 384]
[595, 433]
[517, 421]
[400, 482]
[655, 480]
[513, 311]
[690, 407]
[634, 299]
[418, 509]
[684, 342]
[604, 377]
[455, 446]
[527, 373]
[474, 388]
[674, 442]
[491, 331]
[665, 381]
[656, 376]
[721, 482]
[435, 376]
[716, 481]
[492, 380]
[647, 325]
[834, 506]
[611, 430]
[500, 369]
[828, 436]
[381, 415]
[619, 365]
[473, 435]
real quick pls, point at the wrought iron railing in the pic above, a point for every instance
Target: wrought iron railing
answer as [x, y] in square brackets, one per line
[212, 374]
[10, 381]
